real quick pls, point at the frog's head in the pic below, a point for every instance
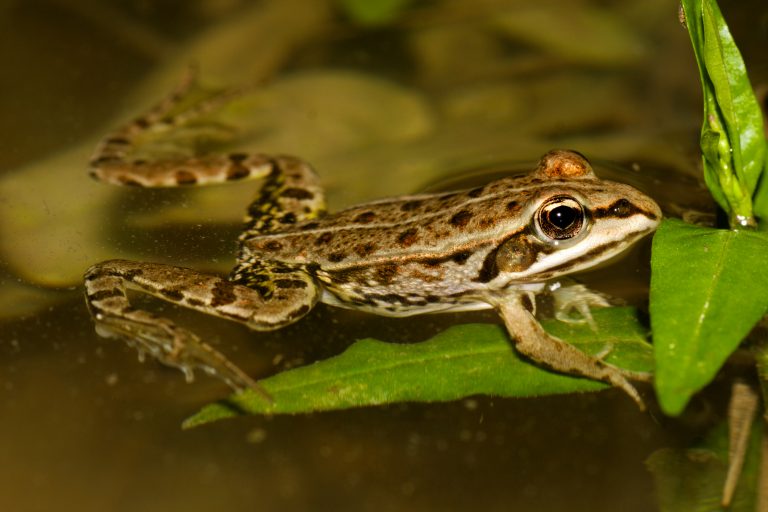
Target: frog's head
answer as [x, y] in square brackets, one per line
[575, 221]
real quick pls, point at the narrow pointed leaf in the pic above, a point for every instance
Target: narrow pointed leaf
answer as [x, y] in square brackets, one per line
[732, 137]
[462, 361]
[708, 289]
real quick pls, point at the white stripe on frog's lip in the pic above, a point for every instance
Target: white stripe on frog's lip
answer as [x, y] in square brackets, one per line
[615, 239]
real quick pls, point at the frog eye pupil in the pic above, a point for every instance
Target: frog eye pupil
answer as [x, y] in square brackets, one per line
[560, 218]
[563, 216]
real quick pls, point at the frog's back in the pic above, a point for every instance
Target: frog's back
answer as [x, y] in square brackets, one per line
[460, 249]
[420, 226]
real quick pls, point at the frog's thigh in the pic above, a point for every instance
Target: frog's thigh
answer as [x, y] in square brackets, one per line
[105, 287]
[290, 297]
[532, 341]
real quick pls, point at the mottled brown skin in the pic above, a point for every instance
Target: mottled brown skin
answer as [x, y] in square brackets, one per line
[492, 246]
[449, 243]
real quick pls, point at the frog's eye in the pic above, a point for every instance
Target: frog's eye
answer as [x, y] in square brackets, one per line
[560, 218]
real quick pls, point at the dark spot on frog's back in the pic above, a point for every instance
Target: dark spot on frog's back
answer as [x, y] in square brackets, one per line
[365, 217]
[365, 249]
[288, 218]
[324, 239]
[461, 218]
[475, 192]
[273, 245]
[487, 222]
[407, 238]
[513, 206]
[347, 275]
[410, 205]
[336, 257]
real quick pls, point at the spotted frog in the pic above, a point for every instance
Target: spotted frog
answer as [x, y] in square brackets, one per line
[495, 246]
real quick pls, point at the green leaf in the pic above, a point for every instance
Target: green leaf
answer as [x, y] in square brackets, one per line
[732, 137]
[462, 361]
[708, 289]
[692, 479]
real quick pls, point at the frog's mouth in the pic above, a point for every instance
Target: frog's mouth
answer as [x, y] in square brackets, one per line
[538, 260]
[613, 243]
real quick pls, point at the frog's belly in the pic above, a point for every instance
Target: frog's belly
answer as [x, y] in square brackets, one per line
[389, 303]
[400, 305]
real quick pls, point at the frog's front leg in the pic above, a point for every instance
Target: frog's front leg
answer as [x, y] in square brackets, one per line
[573, 303]
[276, 303]
[532, 341]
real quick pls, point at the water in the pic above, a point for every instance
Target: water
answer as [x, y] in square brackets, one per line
[379, 111]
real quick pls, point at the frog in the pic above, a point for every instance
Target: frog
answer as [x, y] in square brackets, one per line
[497, 246]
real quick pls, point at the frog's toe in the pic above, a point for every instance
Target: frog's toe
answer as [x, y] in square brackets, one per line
[620, 378]
[620, 381]
[189, 353]
[604, 352]
[639, 376]
[179, 348]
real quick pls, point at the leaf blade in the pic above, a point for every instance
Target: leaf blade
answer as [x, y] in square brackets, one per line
[699, 309]
[462, 361]
[733, 143]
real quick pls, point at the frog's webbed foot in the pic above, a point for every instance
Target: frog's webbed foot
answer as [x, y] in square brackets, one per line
[105, 289]
[532, 341]
[573, 303]
[174, 346]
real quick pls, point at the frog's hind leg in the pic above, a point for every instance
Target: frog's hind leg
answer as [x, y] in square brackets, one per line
[532, 341]
[105, 289]
[113, 161]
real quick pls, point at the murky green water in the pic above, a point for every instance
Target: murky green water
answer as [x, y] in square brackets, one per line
[449, 86]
